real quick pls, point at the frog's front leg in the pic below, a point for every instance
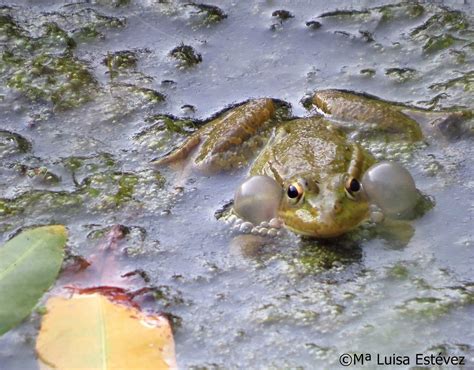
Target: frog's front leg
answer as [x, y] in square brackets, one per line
[227, 141]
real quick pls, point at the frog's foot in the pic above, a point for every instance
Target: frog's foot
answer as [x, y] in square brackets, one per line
[399, 232]
[179, 155]
[272, 228]
[451, 125]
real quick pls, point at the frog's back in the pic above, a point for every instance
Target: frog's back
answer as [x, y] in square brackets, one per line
[309, 145]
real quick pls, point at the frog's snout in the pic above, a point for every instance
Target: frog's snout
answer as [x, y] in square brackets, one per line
[337, 208]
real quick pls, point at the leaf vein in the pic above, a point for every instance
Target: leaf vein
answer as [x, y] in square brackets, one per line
[19, 260]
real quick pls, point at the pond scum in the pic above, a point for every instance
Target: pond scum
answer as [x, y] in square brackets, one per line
[87, 104]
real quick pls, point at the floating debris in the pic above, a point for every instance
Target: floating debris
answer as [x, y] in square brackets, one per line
[186, 55]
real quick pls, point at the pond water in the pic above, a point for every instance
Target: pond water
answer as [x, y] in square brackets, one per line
[90, 94]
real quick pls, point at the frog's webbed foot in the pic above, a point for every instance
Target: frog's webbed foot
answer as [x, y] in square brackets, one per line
[178, 161]
[451, 125]
[180, 154]
[398, 232]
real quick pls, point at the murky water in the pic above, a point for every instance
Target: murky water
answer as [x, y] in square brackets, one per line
[83, 87]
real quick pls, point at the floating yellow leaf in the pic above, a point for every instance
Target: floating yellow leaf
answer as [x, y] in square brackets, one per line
[88, 331]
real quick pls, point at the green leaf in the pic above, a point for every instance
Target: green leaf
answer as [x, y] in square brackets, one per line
[29, 264]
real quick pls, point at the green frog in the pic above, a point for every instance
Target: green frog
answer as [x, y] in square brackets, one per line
[317, 161]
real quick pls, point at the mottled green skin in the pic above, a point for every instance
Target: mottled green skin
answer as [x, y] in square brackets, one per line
[313, 152]
[228, 141]
[318, 156]
[374, 117]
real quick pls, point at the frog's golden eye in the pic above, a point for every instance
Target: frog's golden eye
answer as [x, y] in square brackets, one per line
[295, 191]
[352, 187]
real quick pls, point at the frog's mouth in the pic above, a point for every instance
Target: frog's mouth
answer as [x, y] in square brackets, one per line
[310, 222]
[316, 231]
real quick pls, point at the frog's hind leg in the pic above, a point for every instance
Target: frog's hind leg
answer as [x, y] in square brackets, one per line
[178, 162]
[372, 116]
[179, 155]
[451, 125]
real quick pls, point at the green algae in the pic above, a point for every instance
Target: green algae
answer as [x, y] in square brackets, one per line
[104, 189]
[55, 38]
[313, 294]
[368, 72]
[211, 13]
[438, 43]
[41, 175]
[89, 24]
[343, 14]
[465, 82]
[449, 20]
[396, 11]
[401, 75]
[172, 124]
[118, 61]
[398, 271]
[38, 61]
[45, 68]
[186, 55]
[437, 302]
[12, 144]
[126, 186]
[163, 131]
[37, 201]
[113, 188]
[386, 13]
[80, 167]
[315, 258]
[63, 81]
[10, 30]
[146, 94]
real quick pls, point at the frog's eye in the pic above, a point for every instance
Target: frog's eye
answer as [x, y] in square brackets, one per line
[295, 191]
[353, 187]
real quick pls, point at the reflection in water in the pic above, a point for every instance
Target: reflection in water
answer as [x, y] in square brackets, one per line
[260, 302]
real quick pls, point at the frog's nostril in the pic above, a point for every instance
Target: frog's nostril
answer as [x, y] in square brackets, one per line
[337, 207]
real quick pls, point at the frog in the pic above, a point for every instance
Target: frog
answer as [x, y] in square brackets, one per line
[316, 161]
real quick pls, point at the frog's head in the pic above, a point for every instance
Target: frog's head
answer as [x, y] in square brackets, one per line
[323, 208]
